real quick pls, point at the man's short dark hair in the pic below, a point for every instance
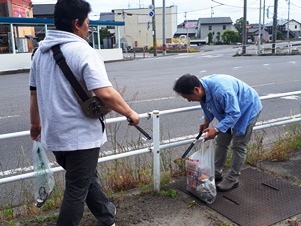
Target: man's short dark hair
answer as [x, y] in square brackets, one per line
[186, 83]
[66, 11]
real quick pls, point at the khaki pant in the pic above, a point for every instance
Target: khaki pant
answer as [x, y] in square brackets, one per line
[239, 144]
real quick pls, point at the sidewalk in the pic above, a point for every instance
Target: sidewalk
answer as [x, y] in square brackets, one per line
[175, 207]
[251, 50]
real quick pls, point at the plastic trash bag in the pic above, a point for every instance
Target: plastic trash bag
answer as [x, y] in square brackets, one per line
[43, 179]
[200, 173]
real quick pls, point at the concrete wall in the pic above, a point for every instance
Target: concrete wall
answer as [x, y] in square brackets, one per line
[22, 61]
[11, 62]
[110, 54]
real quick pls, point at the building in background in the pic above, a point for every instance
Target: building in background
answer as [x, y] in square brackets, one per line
[188, 27]
[253, 33]
[43, 11]
[137, 31]
[23, 34]
[292, 27]
[215, 25]
[198, 30]
[107, 33]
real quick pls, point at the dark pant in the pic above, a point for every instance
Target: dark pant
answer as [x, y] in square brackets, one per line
[82, 185]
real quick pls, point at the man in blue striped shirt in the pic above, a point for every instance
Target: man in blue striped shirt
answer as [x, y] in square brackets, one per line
[236, 106]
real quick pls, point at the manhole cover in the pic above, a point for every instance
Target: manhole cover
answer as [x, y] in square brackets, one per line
[260, 199]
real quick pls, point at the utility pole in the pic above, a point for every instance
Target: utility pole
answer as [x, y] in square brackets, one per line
[259, 31]
[123, 14]
[124, 32]
[263, 15]
[288, 20]
[187, 37]
[244, 29]
[274, 32]
[164, 29]
[154, 29]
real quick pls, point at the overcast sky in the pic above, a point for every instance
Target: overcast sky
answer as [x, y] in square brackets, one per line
[203, 8]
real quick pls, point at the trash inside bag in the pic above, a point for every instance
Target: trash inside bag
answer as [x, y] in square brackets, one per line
[43, 179]
[200, 173]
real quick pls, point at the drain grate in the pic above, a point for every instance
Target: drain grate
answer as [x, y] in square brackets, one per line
[259, 200]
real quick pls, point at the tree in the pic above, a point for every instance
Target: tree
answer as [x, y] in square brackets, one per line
[210, 37]
[229, 36]
[218, 37]
[239, 25]
[279, 35]
[104, 33]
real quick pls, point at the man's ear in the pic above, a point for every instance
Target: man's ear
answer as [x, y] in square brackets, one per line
[196, 90]
[75, 25]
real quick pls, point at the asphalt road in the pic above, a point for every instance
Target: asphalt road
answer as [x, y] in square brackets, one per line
[147, 83]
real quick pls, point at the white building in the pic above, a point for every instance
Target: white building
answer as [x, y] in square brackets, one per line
[137, 31]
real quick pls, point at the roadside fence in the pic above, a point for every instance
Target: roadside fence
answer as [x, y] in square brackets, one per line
[157, 145]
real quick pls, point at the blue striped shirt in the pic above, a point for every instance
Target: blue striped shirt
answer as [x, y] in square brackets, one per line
[232, 102]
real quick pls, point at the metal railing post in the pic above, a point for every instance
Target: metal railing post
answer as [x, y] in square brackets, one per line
[156, 149]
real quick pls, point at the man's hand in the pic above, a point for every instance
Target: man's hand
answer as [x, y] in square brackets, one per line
[203, 127]
[35, 132]
[211, 133]
[134, 119]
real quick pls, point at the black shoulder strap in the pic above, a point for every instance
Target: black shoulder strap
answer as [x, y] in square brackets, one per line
[61, 61]
[77, 87]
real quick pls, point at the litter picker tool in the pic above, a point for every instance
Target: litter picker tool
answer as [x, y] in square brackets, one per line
[191, 145]
[148, 137]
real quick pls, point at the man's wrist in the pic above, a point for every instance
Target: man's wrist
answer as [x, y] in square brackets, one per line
[216, 131]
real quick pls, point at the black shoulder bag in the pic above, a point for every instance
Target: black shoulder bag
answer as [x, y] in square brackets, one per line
[91, 106]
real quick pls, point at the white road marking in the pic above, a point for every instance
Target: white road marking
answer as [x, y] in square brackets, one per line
[15, 171]
[211, 56]
[291, 97]
[182, 56]
[275, 83]
[22, 170]
[155, 99]
[9, 116]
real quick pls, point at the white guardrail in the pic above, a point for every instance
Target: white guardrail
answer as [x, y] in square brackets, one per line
[156, 146]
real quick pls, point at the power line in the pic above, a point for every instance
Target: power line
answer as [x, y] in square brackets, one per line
[296, 5]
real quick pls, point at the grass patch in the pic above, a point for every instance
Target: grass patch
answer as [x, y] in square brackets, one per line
[38, 221]
[280, 149]
[191, 204]
[283, 148]
[169, 193]
[8, 214]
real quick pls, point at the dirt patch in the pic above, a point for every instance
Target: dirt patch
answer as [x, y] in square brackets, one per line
[135, 208]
